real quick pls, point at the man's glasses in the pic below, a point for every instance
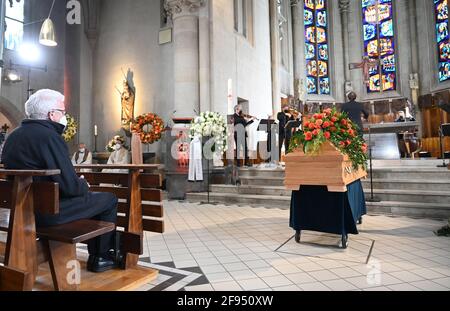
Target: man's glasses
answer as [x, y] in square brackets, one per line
[59, 110]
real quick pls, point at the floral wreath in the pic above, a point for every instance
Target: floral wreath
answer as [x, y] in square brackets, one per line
[154, 125]
[71, 129]
[334, 127]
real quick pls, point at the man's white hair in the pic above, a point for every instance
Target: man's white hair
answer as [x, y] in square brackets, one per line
[41, 103]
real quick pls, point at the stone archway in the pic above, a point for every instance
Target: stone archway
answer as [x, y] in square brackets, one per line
[14, 115]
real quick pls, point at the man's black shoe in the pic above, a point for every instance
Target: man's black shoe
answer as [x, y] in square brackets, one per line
[102, 263]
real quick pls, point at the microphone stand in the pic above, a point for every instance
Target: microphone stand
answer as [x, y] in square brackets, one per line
[441, 137]
[372, 198]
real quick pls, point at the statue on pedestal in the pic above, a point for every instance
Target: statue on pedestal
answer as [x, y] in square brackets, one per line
[127, 100]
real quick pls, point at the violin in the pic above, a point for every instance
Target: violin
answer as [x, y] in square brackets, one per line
[294, 113]
[247, 116]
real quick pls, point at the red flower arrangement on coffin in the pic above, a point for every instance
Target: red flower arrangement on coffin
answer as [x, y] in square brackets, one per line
[336, 128]
[149, 127]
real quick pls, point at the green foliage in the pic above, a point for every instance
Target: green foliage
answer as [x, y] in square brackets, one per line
[334, 127]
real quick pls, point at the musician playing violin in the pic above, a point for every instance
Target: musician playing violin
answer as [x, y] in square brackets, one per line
[241, 120]
[285, 134]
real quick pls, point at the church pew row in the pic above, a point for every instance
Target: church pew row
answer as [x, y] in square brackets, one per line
[58, 243]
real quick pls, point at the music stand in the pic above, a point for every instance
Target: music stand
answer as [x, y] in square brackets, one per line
[268, 129]
[372, 198]
[445, 132]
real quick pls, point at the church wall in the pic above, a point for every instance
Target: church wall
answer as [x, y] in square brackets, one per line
[248, 64]
[286, 73]
[428, 62]
[86, 130]
[336, 55]
[403, 51]
[128, 39]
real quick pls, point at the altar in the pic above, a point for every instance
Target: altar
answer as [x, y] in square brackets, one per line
[392, 140]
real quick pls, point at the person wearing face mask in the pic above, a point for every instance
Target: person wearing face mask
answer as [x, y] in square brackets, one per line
[82, 157]
[38, 145]
[120, 155]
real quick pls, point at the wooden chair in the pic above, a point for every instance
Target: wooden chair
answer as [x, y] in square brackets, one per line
[375, 119]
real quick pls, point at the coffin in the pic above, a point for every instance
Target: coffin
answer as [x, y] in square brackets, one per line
[328, 168]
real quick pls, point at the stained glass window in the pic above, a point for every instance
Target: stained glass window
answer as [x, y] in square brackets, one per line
[14, 18]
[316, 47]
[379, 44]
[443, 43]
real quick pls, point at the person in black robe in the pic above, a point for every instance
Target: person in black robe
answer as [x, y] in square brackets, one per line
[241, 142]
[38, 145]
[284, 134]
[355, 111]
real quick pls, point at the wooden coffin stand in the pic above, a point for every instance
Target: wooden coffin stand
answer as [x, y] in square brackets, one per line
[328, 168]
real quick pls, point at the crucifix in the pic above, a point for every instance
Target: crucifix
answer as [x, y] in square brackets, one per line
[366, 65]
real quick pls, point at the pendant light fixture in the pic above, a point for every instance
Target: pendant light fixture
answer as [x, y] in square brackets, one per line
[47, 35]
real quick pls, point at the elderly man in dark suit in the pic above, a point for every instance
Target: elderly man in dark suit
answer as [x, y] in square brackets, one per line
[355, 111]
[37, 145]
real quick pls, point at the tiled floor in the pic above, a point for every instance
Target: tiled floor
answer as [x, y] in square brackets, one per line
[232, 248]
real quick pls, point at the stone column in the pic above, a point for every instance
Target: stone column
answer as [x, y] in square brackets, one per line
[204, 56]
[184, 14]
[298, 44]
[2, 36]
[344, 8]
[414, 79]
[275, 52]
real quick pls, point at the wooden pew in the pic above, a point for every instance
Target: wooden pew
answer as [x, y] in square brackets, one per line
[19, 199]
[140, 199]
[21, 247]
[140, 208]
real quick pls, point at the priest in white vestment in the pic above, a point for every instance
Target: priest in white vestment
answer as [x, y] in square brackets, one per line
[119, 156]
[82, 157]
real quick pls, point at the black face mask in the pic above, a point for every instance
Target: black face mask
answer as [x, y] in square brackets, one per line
[286, 111]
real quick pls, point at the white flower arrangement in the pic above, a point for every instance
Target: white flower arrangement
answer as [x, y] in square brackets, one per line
[211, 124]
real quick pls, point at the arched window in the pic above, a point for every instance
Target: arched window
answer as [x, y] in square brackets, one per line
[379, 44]
[14, 19]
[317, 47]
[442, 37]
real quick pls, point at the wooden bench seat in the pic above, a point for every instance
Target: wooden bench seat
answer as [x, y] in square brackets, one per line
[76, 232]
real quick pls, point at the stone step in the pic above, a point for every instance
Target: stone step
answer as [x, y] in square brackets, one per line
[412, 184]
[379, 183]
[252, 190]
[424, 174]
[407, 173]
[275, 181]
[422, 196]
[394, 208]
[261, 173]
[266, 201]
[410, 209]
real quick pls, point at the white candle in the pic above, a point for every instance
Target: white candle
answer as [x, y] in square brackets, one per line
[230, 97]
[95, 130]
